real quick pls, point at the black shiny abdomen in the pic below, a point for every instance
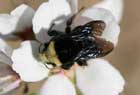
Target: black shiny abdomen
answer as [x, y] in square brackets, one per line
[67, 49]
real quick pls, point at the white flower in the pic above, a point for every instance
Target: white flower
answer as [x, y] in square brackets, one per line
[8, 78]
[5, 52]
[19, 19]
[58, 84]
[98, 78]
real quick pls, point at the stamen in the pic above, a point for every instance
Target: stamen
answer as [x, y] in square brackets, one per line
[10, 87]
[5, 78]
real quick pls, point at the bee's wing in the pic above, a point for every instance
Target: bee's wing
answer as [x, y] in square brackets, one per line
[97, 27]
[99, 48]
[92, 28]
[105, 46]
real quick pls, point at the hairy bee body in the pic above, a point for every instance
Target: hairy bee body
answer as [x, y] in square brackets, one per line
[64, 49]
[77, 45]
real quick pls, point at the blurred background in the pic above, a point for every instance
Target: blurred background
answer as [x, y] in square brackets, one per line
[126, 56]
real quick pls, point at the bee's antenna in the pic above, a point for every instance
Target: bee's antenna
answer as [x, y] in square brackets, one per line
[70, 20]
[81, 9]
[50, 29]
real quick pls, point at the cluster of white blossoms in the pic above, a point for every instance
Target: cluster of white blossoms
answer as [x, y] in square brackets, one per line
[99, 77]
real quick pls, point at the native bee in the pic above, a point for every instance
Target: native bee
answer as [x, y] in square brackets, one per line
[75, 45]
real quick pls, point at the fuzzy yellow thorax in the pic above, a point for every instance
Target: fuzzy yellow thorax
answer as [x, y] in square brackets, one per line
[50, 56]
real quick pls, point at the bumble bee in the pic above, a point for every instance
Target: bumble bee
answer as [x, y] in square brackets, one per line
[75, 46]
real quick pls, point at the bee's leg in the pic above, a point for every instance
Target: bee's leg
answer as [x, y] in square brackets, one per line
[67, 66]
[70, 21]
[52, 32]
[82, 58]
[82, 62]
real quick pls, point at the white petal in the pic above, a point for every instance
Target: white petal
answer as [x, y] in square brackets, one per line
[99, 78]
[46, 14]
[25, 14]
[19, 18]
[8, 23]
[58, 85]
[5, 48]
[115, 6]
[5, 52]
[74, 5]
[112, 29]
[26, 64]
[4, 58]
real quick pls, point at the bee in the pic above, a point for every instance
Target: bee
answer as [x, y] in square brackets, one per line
[75, 46]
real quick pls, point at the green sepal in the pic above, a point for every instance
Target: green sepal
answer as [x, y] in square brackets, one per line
[32, 93]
